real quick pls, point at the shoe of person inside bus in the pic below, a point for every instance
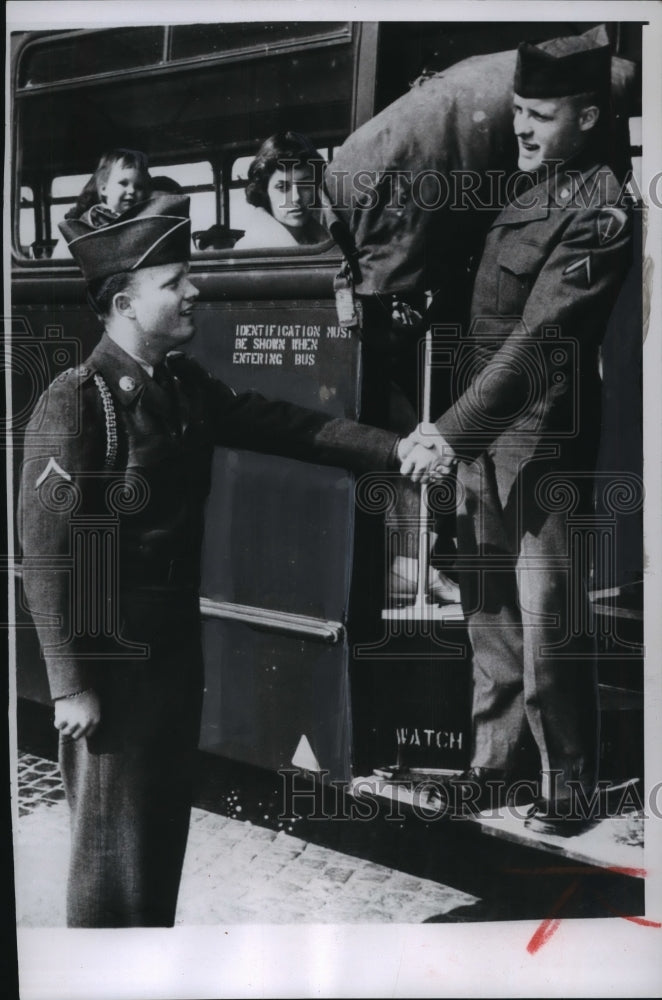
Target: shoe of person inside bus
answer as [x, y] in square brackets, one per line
[403, 583]
[460, 796]
[556, 818]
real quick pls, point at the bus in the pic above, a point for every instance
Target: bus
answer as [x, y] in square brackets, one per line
[304, 666]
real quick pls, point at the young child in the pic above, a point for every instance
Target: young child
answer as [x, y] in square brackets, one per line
[120, 180]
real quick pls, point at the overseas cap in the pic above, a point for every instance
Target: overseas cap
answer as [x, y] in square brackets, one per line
[564, 66]
[155, 231]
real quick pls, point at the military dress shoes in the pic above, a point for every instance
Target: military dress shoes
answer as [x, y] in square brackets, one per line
[475, 790]
[557, 819]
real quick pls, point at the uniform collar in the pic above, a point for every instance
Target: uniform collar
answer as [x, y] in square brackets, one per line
[126, 378]
[557, 188]
[569, 180]
[143, 364]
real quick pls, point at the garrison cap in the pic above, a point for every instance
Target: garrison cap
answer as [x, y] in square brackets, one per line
[155, 231]
[564, 66]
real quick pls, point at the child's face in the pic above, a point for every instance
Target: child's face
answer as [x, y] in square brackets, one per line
[123, 188]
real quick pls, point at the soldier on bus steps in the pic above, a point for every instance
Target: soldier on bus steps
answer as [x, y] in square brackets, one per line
[523, 433]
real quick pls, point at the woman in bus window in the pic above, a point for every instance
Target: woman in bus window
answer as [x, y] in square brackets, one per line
[283, 181]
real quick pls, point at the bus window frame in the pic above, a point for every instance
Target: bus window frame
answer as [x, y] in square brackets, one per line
[168, 65]
[351, 34]
[304, 252]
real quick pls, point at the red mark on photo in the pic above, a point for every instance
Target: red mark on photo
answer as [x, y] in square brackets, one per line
[551, 924]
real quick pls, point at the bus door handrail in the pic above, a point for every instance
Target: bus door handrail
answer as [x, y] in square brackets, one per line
[284, 622]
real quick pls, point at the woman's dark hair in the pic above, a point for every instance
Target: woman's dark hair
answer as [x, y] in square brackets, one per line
[90, 194]
[284, 149]
[167, 184]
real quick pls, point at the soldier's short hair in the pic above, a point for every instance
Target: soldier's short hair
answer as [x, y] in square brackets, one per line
[100, 294]
[588, 99]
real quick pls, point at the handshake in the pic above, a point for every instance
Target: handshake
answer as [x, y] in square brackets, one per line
[425, 455]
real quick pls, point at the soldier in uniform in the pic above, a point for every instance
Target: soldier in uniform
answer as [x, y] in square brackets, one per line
[523, 431]
[114, 481]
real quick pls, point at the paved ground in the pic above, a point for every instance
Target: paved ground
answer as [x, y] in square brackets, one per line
[235, 871]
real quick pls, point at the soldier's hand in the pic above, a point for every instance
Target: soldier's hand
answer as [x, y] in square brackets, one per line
[78, 716]
[423, 464]
[405, 446]
[428, 435]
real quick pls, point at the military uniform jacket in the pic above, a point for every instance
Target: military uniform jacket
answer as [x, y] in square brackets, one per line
[114, 481]
[526, 378]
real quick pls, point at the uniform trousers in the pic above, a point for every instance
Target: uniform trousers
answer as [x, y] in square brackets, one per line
[523, 579]
[129, 787]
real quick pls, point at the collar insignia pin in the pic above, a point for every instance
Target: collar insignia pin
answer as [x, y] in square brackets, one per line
[127, 383]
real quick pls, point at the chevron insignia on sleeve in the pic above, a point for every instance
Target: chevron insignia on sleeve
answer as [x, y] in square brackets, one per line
[611, 222]
[582, 265]
[52, 467]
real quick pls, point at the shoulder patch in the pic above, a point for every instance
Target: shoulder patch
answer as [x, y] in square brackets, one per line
[611, 223]
[80, 373]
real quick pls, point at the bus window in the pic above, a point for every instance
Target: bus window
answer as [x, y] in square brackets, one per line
[26, 231]
[635, 150]
[240, 169]
[197, 181]
[68, 187]
[78, 55]
[189, 41]
[64, 193]
[240, 166]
